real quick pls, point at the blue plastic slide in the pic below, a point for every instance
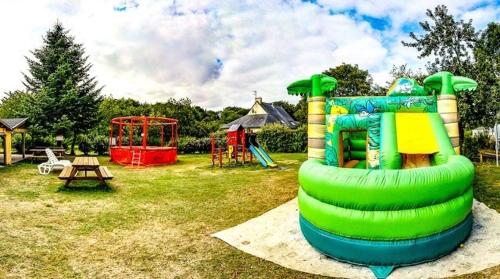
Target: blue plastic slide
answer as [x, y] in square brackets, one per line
[262, 156]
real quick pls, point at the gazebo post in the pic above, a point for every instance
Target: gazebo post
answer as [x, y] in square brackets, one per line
[144, 133]
[176, 134]
[23, 148]
[162, 135]
[120, 133]
[172, 134]
[131, 133]
[7, 148]
[111, 134]
[3, 147]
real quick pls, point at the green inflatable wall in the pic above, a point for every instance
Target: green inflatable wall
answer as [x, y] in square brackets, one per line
[377, 212]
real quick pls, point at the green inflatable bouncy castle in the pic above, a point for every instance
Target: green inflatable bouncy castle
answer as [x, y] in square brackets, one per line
[384, 184]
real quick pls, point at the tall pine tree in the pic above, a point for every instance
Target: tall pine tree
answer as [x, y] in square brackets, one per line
[66, 95]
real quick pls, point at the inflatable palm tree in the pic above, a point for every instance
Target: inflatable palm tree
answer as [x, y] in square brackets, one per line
[446, 84]
[315, 89]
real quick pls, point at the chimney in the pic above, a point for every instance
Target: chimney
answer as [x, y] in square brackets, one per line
[258, 100]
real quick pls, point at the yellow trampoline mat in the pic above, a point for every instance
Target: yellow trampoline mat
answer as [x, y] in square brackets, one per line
[414, 134]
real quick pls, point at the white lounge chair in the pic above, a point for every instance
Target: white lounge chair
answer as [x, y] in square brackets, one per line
[52, 163]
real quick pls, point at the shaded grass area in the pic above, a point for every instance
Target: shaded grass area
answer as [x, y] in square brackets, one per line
[487, 184]
[151, 222]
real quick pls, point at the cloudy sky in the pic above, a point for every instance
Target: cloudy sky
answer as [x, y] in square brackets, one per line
[217, 52]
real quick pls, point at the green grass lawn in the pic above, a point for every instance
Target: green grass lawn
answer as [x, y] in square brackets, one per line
[152, 222]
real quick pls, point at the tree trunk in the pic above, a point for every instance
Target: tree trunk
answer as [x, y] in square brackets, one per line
[73, 142]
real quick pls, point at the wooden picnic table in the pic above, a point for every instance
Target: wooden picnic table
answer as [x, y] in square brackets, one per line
[85, 164]
[486, 153]
[39, 152]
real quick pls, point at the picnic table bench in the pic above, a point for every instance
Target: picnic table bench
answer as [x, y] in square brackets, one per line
[85, 165]
[39, 152]
[486, 153]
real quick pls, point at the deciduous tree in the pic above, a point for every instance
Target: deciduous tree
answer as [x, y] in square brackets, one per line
[448, 42]
[352, 81]
[454, 46]
[486, 73]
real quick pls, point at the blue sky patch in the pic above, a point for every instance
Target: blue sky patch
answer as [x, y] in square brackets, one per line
[124, 5]
[378, 23]
[216, 69]
[410, 27]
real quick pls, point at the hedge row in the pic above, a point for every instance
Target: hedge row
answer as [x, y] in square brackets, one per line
[274, 138]
[278, 138]
[190, 145]
[472, 144]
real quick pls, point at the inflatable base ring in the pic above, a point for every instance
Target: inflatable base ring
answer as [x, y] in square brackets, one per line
[386, 253]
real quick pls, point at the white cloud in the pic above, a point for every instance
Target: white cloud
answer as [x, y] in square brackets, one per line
[482, 16]
[402, 11]
[164, 49]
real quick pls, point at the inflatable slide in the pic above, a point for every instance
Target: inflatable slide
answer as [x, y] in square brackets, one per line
[384, 185]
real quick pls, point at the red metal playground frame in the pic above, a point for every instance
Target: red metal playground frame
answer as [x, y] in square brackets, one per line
[143, 140]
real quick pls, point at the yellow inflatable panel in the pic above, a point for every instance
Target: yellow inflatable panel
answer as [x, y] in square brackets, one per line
[316, 143]
[316, 107]
[316, 131]
[446, 106]
[414, 134]
[316, 119]
[317, 99]
[315, 153]
[452, 129]
[450, 117]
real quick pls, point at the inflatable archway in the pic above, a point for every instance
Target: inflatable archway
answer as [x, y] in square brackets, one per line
[384, 185]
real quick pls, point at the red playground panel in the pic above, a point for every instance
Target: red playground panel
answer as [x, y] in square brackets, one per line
[143, 140]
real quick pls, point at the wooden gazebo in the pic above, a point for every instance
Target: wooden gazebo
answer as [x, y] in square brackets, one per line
[8, 127]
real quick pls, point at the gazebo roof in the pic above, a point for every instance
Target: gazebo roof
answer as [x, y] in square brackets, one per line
[12, 123]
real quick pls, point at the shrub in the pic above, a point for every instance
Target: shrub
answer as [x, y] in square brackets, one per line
[278, 138]
[44, 141]
[182, 142]
[84, 144]
[17, 142]
[100, 145]
[472, 144]
[190, 145]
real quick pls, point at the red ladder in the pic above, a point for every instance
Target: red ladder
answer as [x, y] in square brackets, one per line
[136, 158]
